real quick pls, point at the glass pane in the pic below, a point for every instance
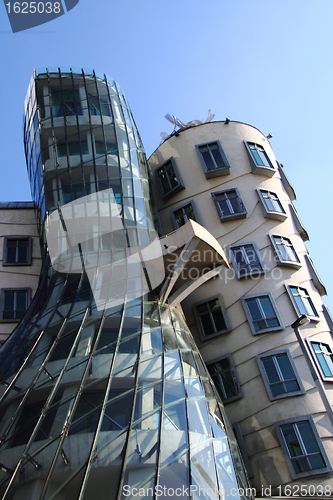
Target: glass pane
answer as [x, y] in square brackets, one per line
[254, 309]
[198, 423]
[301, 465]
[174, 417]
[285, 367]
[291, 441]
[271, 370]
[267, 307]
[210, 165]
[175, 478]
[308, 437]
[218, 158]
[278, 389]
[316, 462]
[218, 320]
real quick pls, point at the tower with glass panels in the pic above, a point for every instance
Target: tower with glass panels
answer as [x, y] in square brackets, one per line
[103, 391]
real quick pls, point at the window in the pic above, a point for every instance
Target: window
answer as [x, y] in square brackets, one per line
[211, 318]
[260, 162]
[169, 179]
[99, 106]
[223, 374]
[280, 375]
[302, 447]
[183, 214]
[246, 260]
[74, 148]
[324, 359]
[213, 159]
[229, 205]
[66, 103]
[17, 252]
[285, 251]
[271, 205]
[302, 301]
[262, 314]
[14, 303]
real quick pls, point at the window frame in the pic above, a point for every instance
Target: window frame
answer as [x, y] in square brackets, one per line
[2, 303]
[177, 188]
[266, 381]
[311, 472]
[250, 319]
[218, 171]
[310, 343]
[194, 209]
[271, 214]
[248, 274]
[268, 171]
[5, 251]
[202, 334]
[231, 216]
[233, 373]
[278, 256]
[300, 313]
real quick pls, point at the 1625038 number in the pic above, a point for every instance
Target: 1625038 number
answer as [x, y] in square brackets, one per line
[33, 7]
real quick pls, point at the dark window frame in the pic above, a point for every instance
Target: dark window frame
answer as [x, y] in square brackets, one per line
[268, 384]
[267, 170]
[216, 171]
[238, 269]
[280, 215]
[5, 251]
[329, 353]
[180, 207]
[287, 244]
[204, 336]
[231, 369]
[232, 215]
[294, 421]
[250, 319]
[173, 190]
[2, 304]
[299, 312]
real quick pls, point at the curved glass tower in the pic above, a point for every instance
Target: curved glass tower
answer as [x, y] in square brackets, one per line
[103, 392]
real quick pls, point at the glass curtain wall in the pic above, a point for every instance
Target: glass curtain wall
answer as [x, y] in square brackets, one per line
[108, 401]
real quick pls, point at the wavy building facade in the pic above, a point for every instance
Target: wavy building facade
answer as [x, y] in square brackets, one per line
[273, 371]
[103, 390]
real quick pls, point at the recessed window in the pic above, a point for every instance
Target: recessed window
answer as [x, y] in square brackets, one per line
[324, 358]
[17, 251]
[229, 205]
[302, 301]
[262, 314]
[99, 106]
[271, 205]
[102, 148]
[169, 179]
[223, 374]
[260, 162]
[66, 103]
[14, 303]
[74, 148]
[183, 214]
[302, 447]
[211, 318]
[213, 159]
[284, 251]
[280, 375]
[246, 260]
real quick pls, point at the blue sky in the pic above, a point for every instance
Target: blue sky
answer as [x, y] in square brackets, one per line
[267, 63]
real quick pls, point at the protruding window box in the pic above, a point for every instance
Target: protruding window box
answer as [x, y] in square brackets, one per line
[246, 260]
[213, 159]
[211, 318]
[259, 159]
[229, 205]
[284, 251]
[271, 206]
[302, 302]
[169, 179]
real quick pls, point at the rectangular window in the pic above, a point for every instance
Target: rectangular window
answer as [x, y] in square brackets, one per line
[183, 214]
[17, 251]
[271, 205]
[302, 447]
[99, 107]
[246, 260]
[262, 314]
[169, 179]
[14, 303]
[211, 318]
[285, 251]
[229, 205]
[324, 358]
[66, 103]
[224, 377]
[280, 375]
[302, 301]
[213, 159]
[73, 148]
[260, 162]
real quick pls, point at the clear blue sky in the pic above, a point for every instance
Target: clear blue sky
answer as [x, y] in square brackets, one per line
[267, 63]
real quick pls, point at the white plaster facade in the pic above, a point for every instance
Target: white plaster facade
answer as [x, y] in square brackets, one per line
[18, 220]
[253, 409]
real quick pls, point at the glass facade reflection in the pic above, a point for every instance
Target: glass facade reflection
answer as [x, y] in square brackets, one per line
[98, 402]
